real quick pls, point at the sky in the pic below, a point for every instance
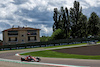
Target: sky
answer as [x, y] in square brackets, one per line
[38, 13]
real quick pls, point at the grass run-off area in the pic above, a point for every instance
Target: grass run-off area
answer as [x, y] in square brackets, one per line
[54, 54]
[66, 45]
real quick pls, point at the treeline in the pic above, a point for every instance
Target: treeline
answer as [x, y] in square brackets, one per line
[73, 23]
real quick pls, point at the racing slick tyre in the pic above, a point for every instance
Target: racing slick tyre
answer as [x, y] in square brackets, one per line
[22, 59]
[38, 59]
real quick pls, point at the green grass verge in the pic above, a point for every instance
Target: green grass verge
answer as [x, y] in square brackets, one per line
[55, 54]
[68, 45]
[98, 42]
[65, 45]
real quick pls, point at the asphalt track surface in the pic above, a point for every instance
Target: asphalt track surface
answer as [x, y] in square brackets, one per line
[78, 62]
[10, 64]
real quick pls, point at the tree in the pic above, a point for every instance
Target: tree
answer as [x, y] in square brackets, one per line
[61, 19]
[75, 14]
[58, 34]
[44, 38]
[92, 24]
[74, 23]
[98, 25]
[66, 24]
[82, 27]
[55, 17]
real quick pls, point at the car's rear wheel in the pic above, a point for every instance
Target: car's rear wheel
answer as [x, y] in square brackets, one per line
[22, 59]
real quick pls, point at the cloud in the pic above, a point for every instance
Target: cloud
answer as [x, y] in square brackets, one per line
[89, 10]
[93, 3]
[45, 30]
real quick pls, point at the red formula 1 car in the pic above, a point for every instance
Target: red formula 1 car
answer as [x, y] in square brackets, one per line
[29, 58]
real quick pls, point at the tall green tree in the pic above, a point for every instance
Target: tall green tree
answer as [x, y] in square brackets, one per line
[55, 18]
[92, 24]
[82, 27]
[98, 25]
[75, 14]
[65, 21]
[61, 19]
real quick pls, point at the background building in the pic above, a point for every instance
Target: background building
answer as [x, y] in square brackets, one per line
[20, 35]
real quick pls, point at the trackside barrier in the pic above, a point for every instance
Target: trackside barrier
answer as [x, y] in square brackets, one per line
[45, 44]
